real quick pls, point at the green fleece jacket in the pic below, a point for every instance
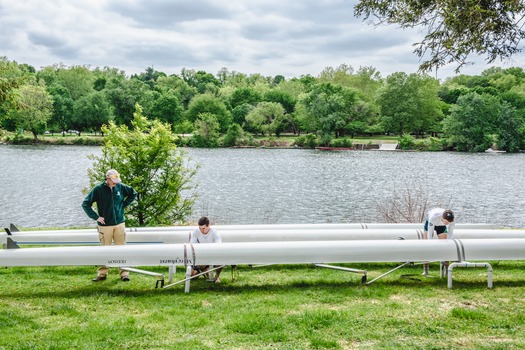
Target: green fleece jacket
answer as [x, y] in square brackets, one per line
[110, 202]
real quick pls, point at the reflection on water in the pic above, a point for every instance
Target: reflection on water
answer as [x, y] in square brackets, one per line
[41, 185]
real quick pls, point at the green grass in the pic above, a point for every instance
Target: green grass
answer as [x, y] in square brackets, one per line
[273, 307]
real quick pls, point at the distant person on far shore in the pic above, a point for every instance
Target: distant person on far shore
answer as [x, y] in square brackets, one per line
[441, 221]
[205, 234]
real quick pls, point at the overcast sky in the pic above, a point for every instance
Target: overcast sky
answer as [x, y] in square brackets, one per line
[271, 37]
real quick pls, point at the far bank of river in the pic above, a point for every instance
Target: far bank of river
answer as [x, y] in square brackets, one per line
[284, 141]
[41, 185]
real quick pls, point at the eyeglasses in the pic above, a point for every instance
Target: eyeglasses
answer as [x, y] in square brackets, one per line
[113, 176]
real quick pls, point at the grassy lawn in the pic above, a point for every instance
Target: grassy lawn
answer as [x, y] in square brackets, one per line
[272, 307]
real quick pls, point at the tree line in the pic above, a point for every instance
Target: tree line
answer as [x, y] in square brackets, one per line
[464, 113]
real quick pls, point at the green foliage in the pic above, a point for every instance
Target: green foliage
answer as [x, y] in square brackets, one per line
[329, 108]
[308, 141]
[409, 103]
[18, 139]
[206, 132]
[148, 161]
[62, 108]
[244, 95]
[285, 98]
[185, 127]
[31, 108]
[209, 104]
[12, 76]
[266, 118]
[168, 109]
[429, 144]
[236, 137]
[356, 127]
[204, 82]
[341, 142]
[509, 134]
[406, 142]
[232, 135]
[472, 122]
[341, 101]
[90, 112]
[240, 112]
[455, 28]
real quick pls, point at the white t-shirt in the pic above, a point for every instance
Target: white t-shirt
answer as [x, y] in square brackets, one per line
[435, 219]
[212, 236]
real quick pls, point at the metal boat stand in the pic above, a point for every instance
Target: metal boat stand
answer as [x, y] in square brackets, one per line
[160, 276]
[189, 277]
[347, 269]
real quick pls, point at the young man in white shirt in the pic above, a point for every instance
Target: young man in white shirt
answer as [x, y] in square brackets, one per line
[442, 222]
[205, 234]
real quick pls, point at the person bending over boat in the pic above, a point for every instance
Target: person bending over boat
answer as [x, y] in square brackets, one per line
[441, 221]
[205, 234]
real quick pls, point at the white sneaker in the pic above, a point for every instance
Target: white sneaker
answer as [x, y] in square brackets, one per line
[425, 273]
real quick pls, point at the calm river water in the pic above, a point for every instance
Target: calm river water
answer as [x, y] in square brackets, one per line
[40, 186]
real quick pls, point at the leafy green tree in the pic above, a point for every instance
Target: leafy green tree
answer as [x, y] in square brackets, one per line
[31, 108]
[367, 81]
[356, 127]
[278, 79]
[266, 117]
[206, 131]
[285, 98]
[509, 129]
[149, 161]
[62, 108]
[149, 77]
[409, 103]
[244, 95]
[90, 112]
[179, 87]
[233, 135]
[206, 103]
[77, 79]
[240, 112]
[48, 75]
[168, 109]
[455, 28]
[329, 107]
[201, 80]
[122, 96]
[12, 76]
[449, 93]
[470, 125]
[287, 93]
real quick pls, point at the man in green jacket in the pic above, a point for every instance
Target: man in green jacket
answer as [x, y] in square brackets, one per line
[111, 197]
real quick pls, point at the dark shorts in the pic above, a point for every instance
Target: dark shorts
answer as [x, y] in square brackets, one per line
[439, 229]
[200, 268]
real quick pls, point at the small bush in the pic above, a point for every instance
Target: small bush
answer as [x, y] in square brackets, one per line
[324, 140]
[308, 141]
[300, 141]
[406, 142]
[343, 142]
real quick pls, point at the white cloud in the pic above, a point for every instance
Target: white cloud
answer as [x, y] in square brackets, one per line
[271, 37]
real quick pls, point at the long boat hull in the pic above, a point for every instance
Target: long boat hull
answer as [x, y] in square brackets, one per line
[269, 253]
[279, 227]
[260, 235]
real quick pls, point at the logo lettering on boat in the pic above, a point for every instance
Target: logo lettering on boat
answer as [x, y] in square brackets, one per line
[117, 261]
[173, 261]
